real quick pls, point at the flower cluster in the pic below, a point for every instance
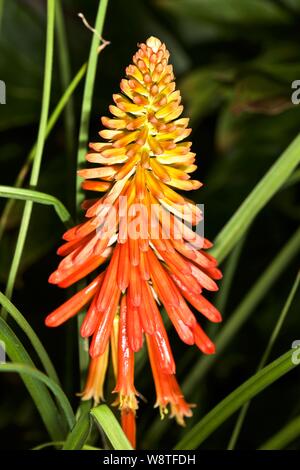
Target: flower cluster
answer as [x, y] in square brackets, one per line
[143, 159]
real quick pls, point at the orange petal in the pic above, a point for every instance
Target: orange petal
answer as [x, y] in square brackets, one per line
[72, 306]
[202, 340]
[134, 327]
[129, 426]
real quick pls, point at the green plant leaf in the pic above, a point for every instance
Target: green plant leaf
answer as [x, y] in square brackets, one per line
[24, 87]
[204, 89]
[51, 123]
[107, 421]
[69, 112]
[82, 146]
[230, 12]
[264, 359]
[32, 336]
[284, 437]
[39, 149]
[25, 370]
[258, 94]
[252, 387]
[46, 407]
[257, 199]
[39, 197]
[88, 92]
[80, 432]
[244, 309]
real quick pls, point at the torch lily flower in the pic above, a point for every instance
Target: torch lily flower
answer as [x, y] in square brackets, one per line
[140, 262]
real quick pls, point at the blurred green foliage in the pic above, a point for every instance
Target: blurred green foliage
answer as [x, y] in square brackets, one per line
[235, 61]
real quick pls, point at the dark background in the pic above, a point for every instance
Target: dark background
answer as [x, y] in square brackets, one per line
[234, 61]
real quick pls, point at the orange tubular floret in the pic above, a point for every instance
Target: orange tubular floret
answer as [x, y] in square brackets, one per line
[167, 389]
[72, 306]
[125, 377]
[128, 422]
[95, 379]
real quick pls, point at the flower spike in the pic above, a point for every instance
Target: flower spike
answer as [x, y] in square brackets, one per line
[138, 239]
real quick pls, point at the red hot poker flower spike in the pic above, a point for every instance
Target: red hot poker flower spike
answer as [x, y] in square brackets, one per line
[140, 231]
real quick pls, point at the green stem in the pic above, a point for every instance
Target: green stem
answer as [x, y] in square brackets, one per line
[51, 123]
[242, 415]
[69, 113]
[39, 150]
[82, 146]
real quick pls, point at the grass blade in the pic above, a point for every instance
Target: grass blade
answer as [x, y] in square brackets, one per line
[284, 437]
[88, 92]
[1, 13]
[39, 150]
[41, 198]
[62, 400]
[39, 393]
[226, 283]
[242, 415]
[33, 338]
[51, 123]
[69, 112]
[107, 421]
[244, 309]
[82, 148]
[252, 387]
[46, 445]
[79, 434]
[257, 199]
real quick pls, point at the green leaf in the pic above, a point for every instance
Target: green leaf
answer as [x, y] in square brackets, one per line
[80, 432]
[82, 146]
[204, 89]
[257, 199]
[69, 113]
[107, 421]
[45, 445]
[51, 123]
[30, 333]
[244, 309]
[258, 94]
[39, 149]
[39, 197]
[39, 393]
[252, 387]
[62, 400]
[88, 92]
[1, 12]
[284, 437]
[235, 12]
[264, 359]
[23, 88]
